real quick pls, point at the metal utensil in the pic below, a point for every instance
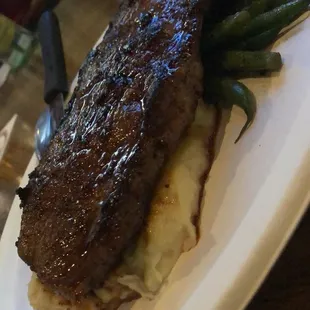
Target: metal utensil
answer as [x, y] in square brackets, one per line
[55, 81]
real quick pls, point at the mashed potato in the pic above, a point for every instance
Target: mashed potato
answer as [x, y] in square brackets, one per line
[170, 230]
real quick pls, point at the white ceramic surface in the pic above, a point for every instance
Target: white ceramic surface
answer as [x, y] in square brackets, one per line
[256, 194]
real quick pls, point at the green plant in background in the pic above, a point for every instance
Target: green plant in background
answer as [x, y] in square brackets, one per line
[16, 43]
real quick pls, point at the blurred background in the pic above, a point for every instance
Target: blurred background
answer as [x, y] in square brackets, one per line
[22, 74]
[81, 24]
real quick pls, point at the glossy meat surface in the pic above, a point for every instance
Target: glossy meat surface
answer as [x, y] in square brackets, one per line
[136, 96]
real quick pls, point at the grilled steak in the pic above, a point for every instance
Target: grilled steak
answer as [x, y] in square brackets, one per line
[136, 96]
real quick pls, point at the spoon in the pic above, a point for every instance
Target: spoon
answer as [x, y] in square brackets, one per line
[55, 81]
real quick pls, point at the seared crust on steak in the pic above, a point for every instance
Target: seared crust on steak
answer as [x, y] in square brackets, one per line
[136, 96]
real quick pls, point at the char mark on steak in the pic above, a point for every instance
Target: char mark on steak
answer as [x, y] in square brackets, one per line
[90, 194]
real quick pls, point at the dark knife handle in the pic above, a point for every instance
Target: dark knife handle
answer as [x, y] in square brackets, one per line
[53, 57]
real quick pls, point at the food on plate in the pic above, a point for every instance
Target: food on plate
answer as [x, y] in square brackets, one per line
[116, 197]
[90, 195]
[171, 227]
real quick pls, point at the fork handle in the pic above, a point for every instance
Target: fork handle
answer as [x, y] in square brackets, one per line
[55, 81]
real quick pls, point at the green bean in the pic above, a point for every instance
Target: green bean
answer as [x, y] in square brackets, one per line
[257, 7]
[241, 26]
[229, 93]
[266, 5]
[260, 41]
[232, 26]
[275, 3]
[245, 99]
[282, 15]
[241, 4]
[250, 61]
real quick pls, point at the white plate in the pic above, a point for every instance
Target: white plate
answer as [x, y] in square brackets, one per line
[256, 194]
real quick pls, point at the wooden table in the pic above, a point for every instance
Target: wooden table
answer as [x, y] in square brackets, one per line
[288, 285]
